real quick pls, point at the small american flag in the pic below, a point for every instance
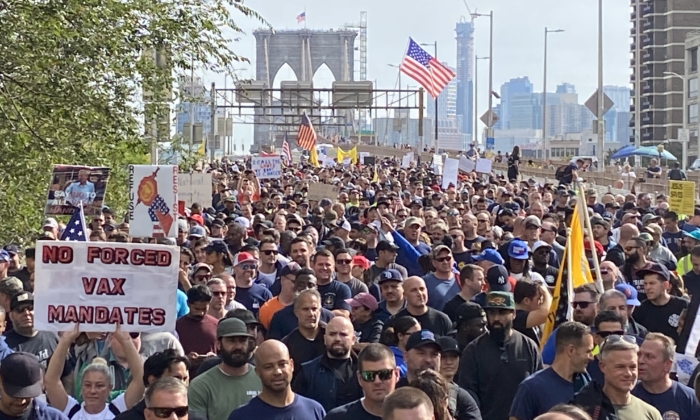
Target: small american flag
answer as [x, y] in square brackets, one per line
[425, 69]
[160, 205]
[286, 151]
[75, 230]
[301, 17]
[306, 136]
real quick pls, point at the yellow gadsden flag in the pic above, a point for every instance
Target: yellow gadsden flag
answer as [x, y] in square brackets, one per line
[313, 158]
[573, 272]
[351, 154]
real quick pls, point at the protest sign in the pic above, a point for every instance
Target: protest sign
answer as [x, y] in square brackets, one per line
[681, 197]
[153, 201]
[318, 192]
[407, 160]
[450, 172]
[267, 167]
[370, 160]
[466, 165]
[71, 185]
[363, 156]
[99, 285]
[194, 188]
[184, 189]
[483, 166]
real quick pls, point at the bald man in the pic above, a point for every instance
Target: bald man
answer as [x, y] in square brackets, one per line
[416, 295]
[277, 401]
[621, 235]
[322, 378]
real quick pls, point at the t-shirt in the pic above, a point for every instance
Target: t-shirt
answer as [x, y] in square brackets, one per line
[462, 259]
[252, 297]
[678, 402]
[41, 345]
[301, 349]
[673, 241]
[197, 336]
[450, 308]
[691, 281]
[433, 320]
[539, 392]
[301, 408]
[440, 291]
[370, 331]
[334, 294]
[662, 319]
[355, 411]
[216, 394]
[32, 413]
[284, 322]
[268, 310]
[119, 404]
[637, 410]
[356, 286]
[520, 324]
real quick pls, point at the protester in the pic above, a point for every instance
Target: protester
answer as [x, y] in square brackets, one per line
[417, 306]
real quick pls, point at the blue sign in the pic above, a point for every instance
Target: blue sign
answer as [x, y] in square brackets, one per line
[490, 144]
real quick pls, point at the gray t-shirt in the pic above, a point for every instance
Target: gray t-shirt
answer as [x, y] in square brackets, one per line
[356, 286]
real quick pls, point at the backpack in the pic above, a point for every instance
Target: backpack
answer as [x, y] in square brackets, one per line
[561, 172]
[76, 408]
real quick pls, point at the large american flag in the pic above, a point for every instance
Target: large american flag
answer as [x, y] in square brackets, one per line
[158, 204]
[306, 136]
[75, 229]
[425, 69]
[286, 151]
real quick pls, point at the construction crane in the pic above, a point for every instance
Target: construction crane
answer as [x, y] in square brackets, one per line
[473, 15]
[361, 27]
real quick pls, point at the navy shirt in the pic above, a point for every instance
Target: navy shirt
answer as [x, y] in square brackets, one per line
[284, 322]
[334, 294]
[673, 241]
[678, 399]
[253, 297]
[539, 392]
[301, 408]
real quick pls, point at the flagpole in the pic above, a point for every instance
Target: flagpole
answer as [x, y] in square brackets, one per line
[82, 220]
[587, 221]
[305, 17]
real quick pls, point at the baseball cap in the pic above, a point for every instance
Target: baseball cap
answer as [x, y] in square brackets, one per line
[242, 221]
[21, 375]
[216, 246]
[413, 221]
[199, 266]
[695, 234]
[4, 256]
[363, 299]
[334, 241]
[24, 298]
[630, 293]
[218, 222]
[197, 218]
[386, 246]
[448, 345]
[650, 216]
[598, 247]
[182, 225]
[50, 222]
[291, 269]
[11, 249]
[197, 231]
[422, 338]
[343, 224]
[243, 257]
[532, 221]
[497, 278]
[540, 244]
[490, 255]
[499, 300]
[244, 315]
[416, 203]
[390, 275]
[655, 268]
[232, 327]
[518, 250]
[438, 249]
[512, 205]
[361, 261]
[467, 311]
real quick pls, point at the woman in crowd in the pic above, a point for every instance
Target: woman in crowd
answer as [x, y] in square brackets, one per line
[514, 164]
[396, 338]
[438, 390]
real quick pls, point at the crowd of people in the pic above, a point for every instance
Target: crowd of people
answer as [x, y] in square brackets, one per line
[394, 299]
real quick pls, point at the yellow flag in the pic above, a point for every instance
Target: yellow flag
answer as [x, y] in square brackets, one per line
[313, 157]
[353, 155]
[375, 178]
[561, 288]
[580, 270]
[201, 151]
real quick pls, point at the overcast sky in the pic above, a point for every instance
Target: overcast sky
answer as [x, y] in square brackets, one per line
[518, 38]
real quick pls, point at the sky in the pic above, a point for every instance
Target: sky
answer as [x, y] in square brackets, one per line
[518, 39]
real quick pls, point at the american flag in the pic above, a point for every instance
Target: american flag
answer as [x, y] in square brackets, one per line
[306, 136]
[75, 230]
[286, 151]
[157, 204]
[426, 70]
[301, 17]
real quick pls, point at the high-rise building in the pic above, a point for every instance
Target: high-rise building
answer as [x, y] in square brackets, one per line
[465, 75]
[620, 96]
[659, 29]
[566, 88]
[194, 94]
[520, 85]
[692, 65]
[447, 102]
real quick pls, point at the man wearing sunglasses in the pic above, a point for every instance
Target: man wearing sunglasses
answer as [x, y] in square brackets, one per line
[441, 284]
[269, 264]
[248, 293]
[343, 272]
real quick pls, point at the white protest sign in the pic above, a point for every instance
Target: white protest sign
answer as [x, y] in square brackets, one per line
[184, 189]
[99, 285]
[267, 167]
[362, 157]
[467, 165]
[483, 166]
[153, 201]
[318, 192]
[450, 171]
[201, 189]
[407, 160]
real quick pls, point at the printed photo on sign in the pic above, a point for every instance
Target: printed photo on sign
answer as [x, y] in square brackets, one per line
[71, 185]
[99, 285]
[153, 201]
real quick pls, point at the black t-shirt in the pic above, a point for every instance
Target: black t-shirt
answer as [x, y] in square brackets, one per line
[691, 281]
[284, 322]
[662, 319]
[433, 320]
[549, 274]
[370, 331]
[355, 411]
[520, 324]
[347, 387]
[450, 308]
[469, 242]
[334, 294]
[616, 255]
[301, 349]
[462, 259]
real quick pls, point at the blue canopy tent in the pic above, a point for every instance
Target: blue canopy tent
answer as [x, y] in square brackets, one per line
[647, 151]
[626, 151]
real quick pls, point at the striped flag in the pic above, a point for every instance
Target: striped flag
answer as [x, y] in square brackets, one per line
[286, 151]
[75, 229]
[306, 136]
[425, 69]
[301, 17]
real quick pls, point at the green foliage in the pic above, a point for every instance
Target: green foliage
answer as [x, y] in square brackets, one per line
[73, 76]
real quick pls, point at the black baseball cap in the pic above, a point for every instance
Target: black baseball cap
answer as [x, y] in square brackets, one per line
[21, 375]
[291, 269]
[422, 338]
[386, 246]
[655, 268]
[334, 241]
[448, 345]
[23, 298]
[497, 278]
[11, 249]
[244, 315]
[216, 246]
[468, 311]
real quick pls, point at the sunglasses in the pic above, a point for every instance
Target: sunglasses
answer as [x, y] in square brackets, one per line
[166, 412]
[455, 236]
[630, 248]
[582, 305]
[343, 262]
[616, 338]
[371, 375]
[270, 252]
[249, 266]
[443, 259]
[606, 334]
[218, 293]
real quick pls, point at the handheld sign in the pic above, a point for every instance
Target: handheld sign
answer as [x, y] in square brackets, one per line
[267, 167]
[99, 285]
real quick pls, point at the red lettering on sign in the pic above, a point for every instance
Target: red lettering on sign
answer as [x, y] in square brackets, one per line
[71, 314]
[158, 316]
[89, 285]
[55, 313]
[144, 316]
[86, 313]
[52, 254]
[122, 256]
[116, 317]
[130, 314]
[117, 286]
[101, 314]
[103, 287]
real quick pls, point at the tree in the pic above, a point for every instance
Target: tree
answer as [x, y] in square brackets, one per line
[72, 77]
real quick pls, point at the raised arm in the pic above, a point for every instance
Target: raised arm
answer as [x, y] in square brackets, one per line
[55, 392]
[134, 392]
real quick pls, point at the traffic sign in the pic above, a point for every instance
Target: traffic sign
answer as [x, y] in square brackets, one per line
[485, 118]
[592, 103]
[683, 135]
[490, 143]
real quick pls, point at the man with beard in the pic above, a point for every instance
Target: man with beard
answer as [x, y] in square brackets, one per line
[217, 392]
[197, 329]
[494, 364]
[470, 323]
[330, 378]
[277, 401]
[636, 259]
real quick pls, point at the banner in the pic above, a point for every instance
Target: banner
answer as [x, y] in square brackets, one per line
[350, 156]
[318, 192]
[153, 201]
[71, 185]
[681, 197]
[195, 188]
[267, 167]
[99, 285]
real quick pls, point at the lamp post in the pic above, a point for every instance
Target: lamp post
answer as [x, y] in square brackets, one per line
[601, 94]
[476, 97]
[547, 31]
[684, 144]
[400, 113]
[434, 44]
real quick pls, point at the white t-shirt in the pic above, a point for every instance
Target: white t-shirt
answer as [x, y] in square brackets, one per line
[105, 414]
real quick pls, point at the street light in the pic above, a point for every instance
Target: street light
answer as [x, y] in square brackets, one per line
[544, 95]
[476, 98]
[684, 144]
[601, 95]
[400, 116]
[434, 44]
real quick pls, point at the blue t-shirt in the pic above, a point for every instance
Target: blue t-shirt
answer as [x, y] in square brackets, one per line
[253, 297]
[440, 291]
[301, 408]
[673, 241]
[539, 392]
[678, 399]
[334, 294]
[182, 308]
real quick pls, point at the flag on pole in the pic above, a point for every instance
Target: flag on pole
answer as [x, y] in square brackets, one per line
[286, 151]
[425, 69]
[75, 230]
[306, 136]
[301, 17]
